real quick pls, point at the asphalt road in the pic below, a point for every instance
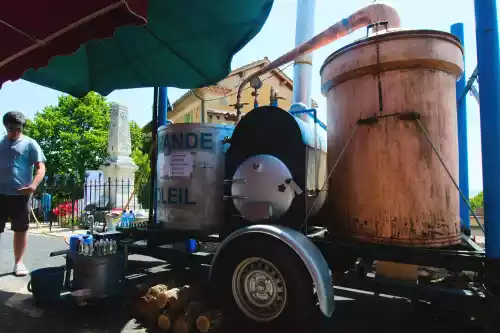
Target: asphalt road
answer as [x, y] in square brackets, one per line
[37, 253]
[355, 312]
[19, 315]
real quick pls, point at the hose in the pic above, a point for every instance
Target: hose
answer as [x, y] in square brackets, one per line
[34, 216]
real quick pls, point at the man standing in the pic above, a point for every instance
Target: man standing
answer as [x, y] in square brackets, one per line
[19, 154]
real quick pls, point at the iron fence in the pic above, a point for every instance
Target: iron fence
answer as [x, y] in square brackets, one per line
[67, 203]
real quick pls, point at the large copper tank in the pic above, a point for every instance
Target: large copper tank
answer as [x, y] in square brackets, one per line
[390, 187]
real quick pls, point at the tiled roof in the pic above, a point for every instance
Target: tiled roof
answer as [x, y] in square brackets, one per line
[250, 65]
[222, 91]
[217, 90]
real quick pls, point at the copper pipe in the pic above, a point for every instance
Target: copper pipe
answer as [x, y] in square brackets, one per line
[368, 15]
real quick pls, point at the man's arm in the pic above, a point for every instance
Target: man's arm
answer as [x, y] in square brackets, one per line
[39, 174]
[37, 158]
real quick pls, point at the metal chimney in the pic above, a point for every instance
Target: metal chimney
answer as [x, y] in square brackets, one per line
[302, 71]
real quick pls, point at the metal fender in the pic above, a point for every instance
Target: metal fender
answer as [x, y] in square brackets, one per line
[308, 252]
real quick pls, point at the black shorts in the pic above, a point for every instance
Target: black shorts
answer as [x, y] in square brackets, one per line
[16, 209]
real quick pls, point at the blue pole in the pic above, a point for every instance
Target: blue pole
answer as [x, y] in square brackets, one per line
[489, 103]
[162, 107]
[463, 161]
[153, 161]
[162, 121]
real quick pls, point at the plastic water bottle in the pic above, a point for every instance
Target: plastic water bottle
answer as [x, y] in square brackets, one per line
[97, 248]
[80, 246]
[124, 220]
[131, 218]
[114, 245]
[111, 247]
[107, 246]
[102, 247]
[127, 219]
[87, 247]
[91, 247]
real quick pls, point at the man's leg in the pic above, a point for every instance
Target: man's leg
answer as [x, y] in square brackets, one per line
[3, 214]
[20, 224]
[19, 246]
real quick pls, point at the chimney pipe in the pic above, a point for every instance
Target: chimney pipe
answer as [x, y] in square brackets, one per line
[368, 15]
[302, 70]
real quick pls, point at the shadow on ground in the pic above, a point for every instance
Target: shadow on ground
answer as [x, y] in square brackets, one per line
[106, 315]
[361, 313]
[354, 312]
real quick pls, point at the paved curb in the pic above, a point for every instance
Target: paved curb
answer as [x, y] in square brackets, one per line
[55, 232]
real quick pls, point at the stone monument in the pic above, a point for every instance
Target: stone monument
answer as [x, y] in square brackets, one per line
[119, 166]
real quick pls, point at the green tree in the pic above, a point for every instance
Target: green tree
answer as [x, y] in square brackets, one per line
[143, 175]
[140, 155]
[74, 135]
[477, 201]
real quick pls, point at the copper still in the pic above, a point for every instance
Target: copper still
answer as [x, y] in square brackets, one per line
[390, 186]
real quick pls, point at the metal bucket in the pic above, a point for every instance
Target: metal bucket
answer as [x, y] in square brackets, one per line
[101, 275]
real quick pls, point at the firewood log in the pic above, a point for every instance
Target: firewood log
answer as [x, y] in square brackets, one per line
[164, 321]
[181, 325]
[185, 322]
[169, 318]
[146, 311]
[177, 298]
[154, 291]
[208, 321]
[162, 299]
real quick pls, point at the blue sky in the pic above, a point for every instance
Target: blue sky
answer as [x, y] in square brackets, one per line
[277, 37]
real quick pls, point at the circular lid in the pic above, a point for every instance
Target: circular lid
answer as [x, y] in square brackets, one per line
[392, 34]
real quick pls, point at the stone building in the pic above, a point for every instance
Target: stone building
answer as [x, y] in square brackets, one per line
[213, 104]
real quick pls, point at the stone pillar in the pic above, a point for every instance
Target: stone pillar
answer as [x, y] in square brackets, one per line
[119, 165]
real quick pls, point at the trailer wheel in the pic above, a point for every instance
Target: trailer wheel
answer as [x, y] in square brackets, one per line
[264, 281]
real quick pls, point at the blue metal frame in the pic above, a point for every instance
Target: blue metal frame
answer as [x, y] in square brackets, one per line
[313, 113]
[463, 161]
[469, 86]
[153, 161]
[162, 107]
[489, 74]
[161, 121]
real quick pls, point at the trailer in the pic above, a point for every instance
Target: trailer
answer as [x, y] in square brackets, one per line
[280, 207]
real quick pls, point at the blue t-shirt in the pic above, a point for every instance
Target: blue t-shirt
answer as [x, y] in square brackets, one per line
[17, 159]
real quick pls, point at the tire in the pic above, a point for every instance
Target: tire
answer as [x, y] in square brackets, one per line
[255, 262]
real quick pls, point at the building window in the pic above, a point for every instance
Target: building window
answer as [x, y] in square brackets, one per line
[188, 117]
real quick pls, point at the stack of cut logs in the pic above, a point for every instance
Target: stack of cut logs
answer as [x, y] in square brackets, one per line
[177, 309]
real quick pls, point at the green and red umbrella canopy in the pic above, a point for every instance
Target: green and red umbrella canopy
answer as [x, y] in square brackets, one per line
[185, 44]
[32, 32]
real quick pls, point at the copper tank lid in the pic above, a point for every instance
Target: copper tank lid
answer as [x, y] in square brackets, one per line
[392, 34]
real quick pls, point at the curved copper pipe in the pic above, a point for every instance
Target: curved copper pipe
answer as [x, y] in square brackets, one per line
[368, 15]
